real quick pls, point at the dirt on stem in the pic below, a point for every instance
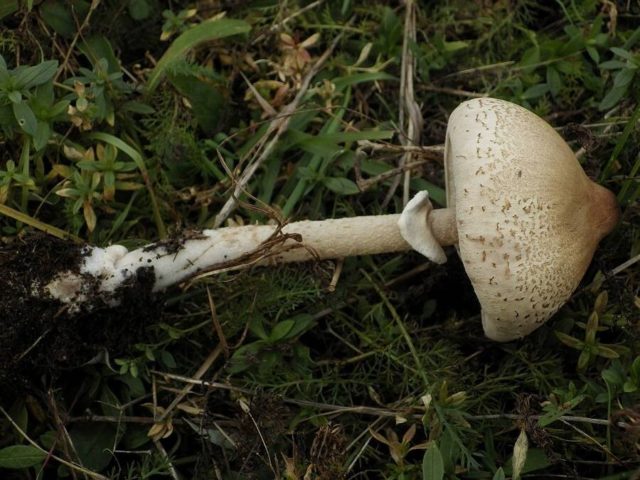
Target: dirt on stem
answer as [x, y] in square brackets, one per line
[37, 334]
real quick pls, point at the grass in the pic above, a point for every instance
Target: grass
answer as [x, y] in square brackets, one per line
[371, 368]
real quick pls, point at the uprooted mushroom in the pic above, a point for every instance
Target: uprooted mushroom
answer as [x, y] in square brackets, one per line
[521, 212]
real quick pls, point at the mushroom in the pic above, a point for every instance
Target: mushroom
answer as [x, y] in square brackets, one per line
[522, 213]
[528, 217]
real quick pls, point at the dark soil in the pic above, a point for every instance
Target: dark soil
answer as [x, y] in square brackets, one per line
[38, 335]
[174, 244]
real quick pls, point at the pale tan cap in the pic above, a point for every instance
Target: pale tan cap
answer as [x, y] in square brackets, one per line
[528, 217]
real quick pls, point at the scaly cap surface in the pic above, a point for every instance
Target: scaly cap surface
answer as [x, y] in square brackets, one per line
[528, 217]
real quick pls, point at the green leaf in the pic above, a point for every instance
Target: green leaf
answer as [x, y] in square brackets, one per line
[432, 464]
[343, 186]
[624, 77]
[58, 109]
[244, 357]
[569, 340]
[606, 352]
[281, 330]
[346, 81]
[29, 77]
[43, 133]
[43, 95]
[621, 52]
[617, 150]
[302, 323]
[48, 439]
[168, 359]
[612, 65]
[206, 98]
[436, 194]
[137, 107]
[8, 7]
[58, 15]
[15, 96]
[593, 53]
[256, 326]
[204, 32]
[531, 57]
[136, 437]
[93, 443]
[550, 417]
[583, 360]
[25, 117]
[635, 368]
[343, 137]
[4, 72]
[139, 9]
[499, 475]
[21, 456]
[554, 81]
[19, 411]
[109, 402]
[535, 91]
[327, 143]
[313, 144]
[455, 46]
[612, 98]
[134, 386]
[96, 48]
[123, 147]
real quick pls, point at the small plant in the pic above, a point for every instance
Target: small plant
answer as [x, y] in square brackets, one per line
[590, 348]
[276, 352]
[97, 92]
[12, 178]
[26, 103]
[176, 23]
[632, 384]
[399, 449]
[624, 67]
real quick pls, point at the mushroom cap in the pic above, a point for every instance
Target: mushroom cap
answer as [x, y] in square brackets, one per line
[528, 217]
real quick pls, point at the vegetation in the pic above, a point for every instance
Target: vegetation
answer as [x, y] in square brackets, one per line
[128, 121]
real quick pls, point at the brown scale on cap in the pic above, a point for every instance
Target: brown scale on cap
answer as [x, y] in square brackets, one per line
[528, 217]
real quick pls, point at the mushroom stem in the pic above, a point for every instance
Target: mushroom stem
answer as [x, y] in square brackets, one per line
[104, 271]
[301, 241]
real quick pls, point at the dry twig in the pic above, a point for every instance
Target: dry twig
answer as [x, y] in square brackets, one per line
[206, 365]
[410, 115]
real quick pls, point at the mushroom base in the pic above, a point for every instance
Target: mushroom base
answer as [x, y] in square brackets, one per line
[38, 333]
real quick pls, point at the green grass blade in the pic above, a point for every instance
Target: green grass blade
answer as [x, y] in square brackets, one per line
[204, 32]
[316, 160]
[624, 197]
[42, 226]
[622, 141]
[349, 80]
[8, 7]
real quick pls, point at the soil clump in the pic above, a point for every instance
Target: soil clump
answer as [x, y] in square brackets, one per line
[38, 335]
